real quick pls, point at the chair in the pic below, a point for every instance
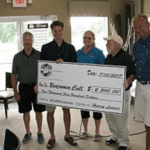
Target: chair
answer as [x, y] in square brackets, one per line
[11, 141]
[5, 95]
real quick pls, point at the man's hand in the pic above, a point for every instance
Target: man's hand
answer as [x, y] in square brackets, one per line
[59, 60]
[36, 89]
[126, 84]
[17, 96]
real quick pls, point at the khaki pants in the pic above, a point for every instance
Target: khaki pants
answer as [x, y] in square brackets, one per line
[119, 124]
[142, 103]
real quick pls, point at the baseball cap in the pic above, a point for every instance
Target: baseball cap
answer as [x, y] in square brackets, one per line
[115, 38]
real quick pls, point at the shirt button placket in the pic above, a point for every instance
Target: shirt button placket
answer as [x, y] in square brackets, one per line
[58, 52]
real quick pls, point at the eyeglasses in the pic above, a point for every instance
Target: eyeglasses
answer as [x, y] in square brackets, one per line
[140, 26]
[89, 38]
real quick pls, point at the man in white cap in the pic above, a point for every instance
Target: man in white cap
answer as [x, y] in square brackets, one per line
[118, 124]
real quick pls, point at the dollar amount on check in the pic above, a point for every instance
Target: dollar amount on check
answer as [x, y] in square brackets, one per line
[105, 90]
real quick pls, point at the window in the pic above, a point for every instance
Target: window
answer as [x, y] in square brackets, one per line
[11, 30]
[99, 25]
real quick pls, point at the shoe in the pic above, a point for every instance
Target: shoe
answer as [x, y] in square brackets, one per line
[97, 138]
[50, 143]
[71, 141]
[26, 138]
[40, 138]
[83, 135]
[110, 141]
[122, 148]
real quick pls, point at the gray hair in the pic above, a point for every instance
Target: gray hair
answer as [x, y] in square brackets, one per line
[27, 34]
[140, 16]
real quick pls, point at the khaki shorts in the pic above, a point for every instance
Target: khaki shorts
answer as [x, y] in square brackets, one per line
[142, 103]
[50, 108]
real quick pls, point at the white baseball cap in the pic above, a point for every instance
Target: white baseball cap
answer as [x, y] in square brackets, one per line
[115, 38]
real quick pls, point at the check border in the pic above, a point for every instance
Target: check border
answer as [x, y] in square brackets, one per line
[54, 97]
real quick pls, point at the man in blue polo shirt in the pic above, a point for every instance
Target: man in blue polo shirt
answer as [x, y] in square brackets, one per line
[141, 51]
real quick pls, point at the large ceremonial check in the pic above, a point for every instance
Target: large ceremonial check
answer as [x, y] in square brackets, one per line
[83, 86]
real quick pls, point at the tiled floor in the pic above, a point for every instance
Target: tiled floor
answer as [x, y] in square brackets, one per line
[15, 124]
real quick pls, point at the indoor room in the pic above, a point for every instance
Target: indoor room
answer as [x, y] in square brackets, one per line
[64, 85]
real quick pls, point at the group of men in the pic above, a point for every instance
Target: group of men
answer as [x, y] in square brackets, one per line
[24, 70]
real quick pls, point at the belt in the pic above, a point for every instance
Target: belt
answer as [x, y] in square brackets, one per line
[28, 84]
[144, 82]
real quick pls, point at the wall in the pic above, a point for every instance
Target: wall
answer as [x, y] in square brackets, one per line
[146, 5]
[61, 9]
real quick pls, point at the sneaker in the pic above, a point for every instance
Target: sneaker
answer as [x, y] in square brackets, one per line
[26, 138]
[110, 141]
[122, 148]
[40, 138]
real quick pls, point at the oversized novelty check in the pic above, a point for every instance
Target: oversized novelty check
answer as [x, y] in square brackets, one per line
[82, 86]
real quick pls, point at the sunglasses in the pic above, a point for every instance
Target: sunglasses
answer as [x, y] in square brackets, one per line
[89, 38]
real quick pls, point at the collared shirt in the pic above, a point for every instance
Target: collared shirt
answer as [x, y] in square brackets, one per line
[122, 58]
[25, 67]
[94, 56]
[52, 52]
[142, 59]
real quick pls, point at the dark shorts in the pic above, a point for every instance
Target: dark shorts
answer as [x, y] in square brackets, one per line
[28, 98]
[86, 114]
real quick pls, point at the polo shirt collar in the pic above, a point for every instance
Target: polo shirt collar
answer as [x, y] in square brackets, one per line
[57, 44]
[119, 52]
[145, 40]
[33, 51]
[89, 51]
